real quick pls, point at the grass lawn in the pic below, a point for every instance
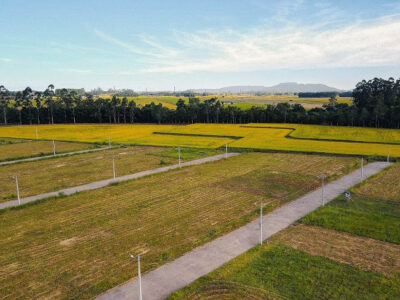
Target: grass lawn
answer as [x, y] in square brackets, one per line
[77, 246]
[59, 173]
[277, 270]
[373, 212]
[271, 137]
[19, 150]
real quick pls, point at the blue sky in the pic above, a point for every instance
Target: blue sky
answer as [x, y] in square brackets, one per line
[157, 45]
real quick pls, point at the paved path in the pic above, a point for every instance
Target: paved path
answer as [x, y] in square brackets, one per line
[50, 156]
[172, 276]
[103, 183]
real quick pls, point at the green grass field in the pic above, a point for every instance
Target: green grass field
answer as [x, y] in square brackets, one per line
[276, 271]
[354, 255]
[59, 173]
[77, 246]
[375, 215]
[265, 137]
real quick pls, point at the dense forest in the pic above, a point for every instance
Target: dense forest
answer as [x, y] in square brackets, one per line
[376, 104]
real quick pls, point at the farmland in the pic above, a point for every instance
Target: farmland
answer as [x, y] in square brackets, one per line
[78, 246]
[23, 149]
[244, 101]
[270, 137]
[58, 173]
[345, 250]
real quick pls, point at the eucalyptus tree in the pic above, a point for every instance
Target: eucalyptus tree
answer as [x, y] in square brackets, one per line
[49, 94]
[4, 101]
[38, 104]
[27, 95]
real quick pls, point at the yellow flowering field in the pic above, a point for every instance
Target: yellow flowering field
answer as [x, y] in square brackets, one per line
[276, 137]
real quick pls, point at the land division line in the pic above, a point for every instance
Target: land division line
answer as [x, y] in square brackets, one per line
[161, 282]
[51, 156]
[105, 182]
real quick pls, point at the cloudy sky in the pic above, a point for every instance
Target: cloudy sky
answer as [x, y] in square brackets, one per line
[157, 45]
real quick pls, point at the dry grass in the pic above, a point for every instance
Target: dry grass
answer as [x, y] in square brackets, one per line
[78, 246]
[361, 252]
[31, 149]
[59, 173]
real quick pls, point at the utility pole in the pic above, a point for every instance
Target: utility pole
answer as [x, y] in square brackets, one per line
[261, 222]
[179, 156]
[37, 136]
[54, 148]
[323, 190]
[109, 141]
[362, 169]
[17, 187]
[139, 275]
[388, 156]
[226, 151]
[113, 168]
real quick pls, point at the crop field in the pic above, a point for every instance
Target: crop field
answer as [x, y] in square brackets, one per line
[250, 100]
[270, 137]
[352, 253]
[59, 173]
[244, 101]
[373, 212]
[24, 149]
[77, 246]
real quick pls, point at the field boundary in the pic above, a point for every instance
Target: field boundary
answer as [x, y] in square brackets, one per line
[289, 136]
[161, 282]
[61, 154]
[199, 135]
[106, 182]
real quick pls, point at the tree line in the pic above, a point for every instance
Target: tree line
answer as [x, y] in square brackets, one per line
[376, 104]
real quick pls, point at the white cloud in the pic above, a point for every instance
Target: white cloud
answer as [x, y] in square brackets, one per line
[5, 59]
[372, 44]
[362, 44]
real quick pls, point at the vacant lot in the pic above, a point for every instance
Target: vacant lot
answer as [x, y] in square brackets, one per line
[361, 260]
[274, 271]
[253, 136]
[373, 212]
[78, 246]
[19, 150]
[59, 173]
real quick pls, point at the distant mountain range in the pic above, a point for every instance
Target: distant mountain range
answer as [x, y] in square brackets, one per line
[281, 88]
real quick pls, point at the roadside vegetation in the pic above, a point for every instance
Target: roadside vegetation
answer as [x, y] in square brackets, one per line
[78, 246]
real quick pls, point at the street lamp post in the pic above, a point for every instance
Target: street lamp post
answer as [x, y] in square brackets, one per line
[139, 275]
[17, 187]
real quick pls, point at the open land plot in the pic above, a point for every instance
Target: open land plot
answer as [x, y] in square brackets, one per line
[276, 271]
[374, 210]
[269, 137]
[26, 149]
[59, 173]
[78, 246]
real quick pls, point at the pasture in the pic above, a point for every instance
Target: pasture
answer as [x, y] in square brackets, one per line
[61, 172]
[265, 137]
[78, 246]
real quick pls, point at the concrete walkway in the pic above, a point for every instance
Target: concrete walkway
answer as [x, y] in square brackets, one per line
[9, 162]
[103, 183]
[172, 276]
